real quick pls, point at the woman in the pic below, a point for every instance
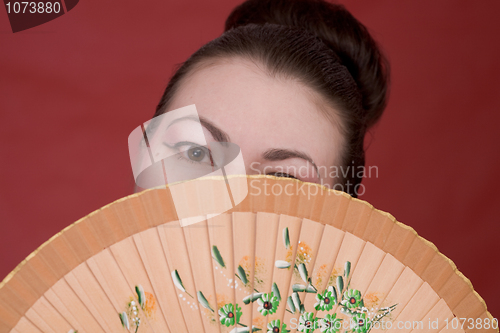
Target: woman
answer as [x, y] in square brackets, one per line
[295, 84]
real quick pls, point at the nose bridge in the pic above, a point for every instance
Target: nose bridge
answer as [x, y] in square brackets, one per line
[253, 164]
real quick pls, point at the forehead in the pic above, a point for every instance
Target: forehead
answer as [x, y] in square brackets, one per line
[261, 112]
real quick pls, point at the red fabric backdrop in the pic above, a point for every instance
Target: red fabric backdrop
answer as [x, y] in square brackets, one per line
[73, 89]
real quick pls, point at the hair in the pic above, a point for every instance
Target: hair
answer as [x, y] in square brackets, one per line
[318, 43]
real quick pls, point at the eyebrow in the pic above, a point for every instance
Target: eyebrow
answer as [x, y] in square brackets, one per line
[275, 154]
[218, 134]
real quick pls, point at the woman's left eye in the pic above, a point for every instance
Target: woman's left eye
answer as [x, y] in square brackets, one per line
[196, 154]
[193, 152]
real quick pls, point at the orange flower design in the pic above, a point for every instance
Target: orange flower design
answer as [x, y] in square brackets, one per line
[303, 255]
[259, 268]
[259, 322]
[245, 263]
[222, 300]
[320, 274]
[372, 299]
[332, 281]
[150, 304]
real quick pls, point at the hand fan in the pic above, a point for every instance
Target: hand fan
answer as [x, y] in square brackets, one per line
[291, 257]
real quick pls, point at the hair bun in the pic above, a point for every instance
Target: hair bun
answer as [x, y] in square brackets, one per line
[339, 30]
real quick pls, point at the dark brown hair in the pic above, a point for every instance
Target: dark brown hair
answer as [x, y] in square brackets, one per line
[320, 44]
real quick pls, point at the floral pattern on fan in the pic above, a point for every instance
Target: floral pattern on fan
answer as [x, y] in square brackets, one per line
[339, 308]
[350, 301]
[131, 317]
[230, 314]
[275, 326]
[268, 304]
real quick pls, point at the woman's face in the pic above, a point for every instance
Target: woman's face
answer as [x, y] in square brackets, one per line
[277, 123]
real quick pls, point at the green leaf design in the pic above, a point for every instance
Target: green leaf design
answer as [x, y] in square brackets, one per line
[347, 269]
[296, 300]
[178, 281]
[303, 272]
[203, 301]
[286, 238]
[334, 293]
[242, 275]
[340, 284]
[252, 298]
[217, 257]
[302, 288]
[276, 291]
[289, 301]
[244, 329]
[384, 312]
[124, 320]
[141, 297]
[281, 264]
[298, 288]
[311, 289]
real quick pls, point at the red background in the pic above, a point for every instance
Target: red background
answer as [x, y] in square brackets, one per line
[74, 88]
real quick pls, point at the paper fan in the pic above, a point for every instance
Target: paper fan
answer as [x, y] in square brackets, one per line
[291, 256]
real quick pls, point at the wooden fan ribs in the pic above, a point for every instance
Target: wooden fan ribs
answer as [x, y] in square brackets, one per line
[267, 238]
[151, 251]
[309, 239]
[331, 242]
[172, 239]
[198, 246]
[221, 244]
[133, 258]
[244, 259]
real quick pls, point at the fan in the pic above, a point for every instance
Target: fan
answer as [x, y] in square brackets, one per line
[291, 257]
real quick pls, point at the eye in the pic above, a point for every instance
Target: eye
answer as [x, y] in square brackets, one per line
[196, 154]
[192, 152]
[281, 174]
